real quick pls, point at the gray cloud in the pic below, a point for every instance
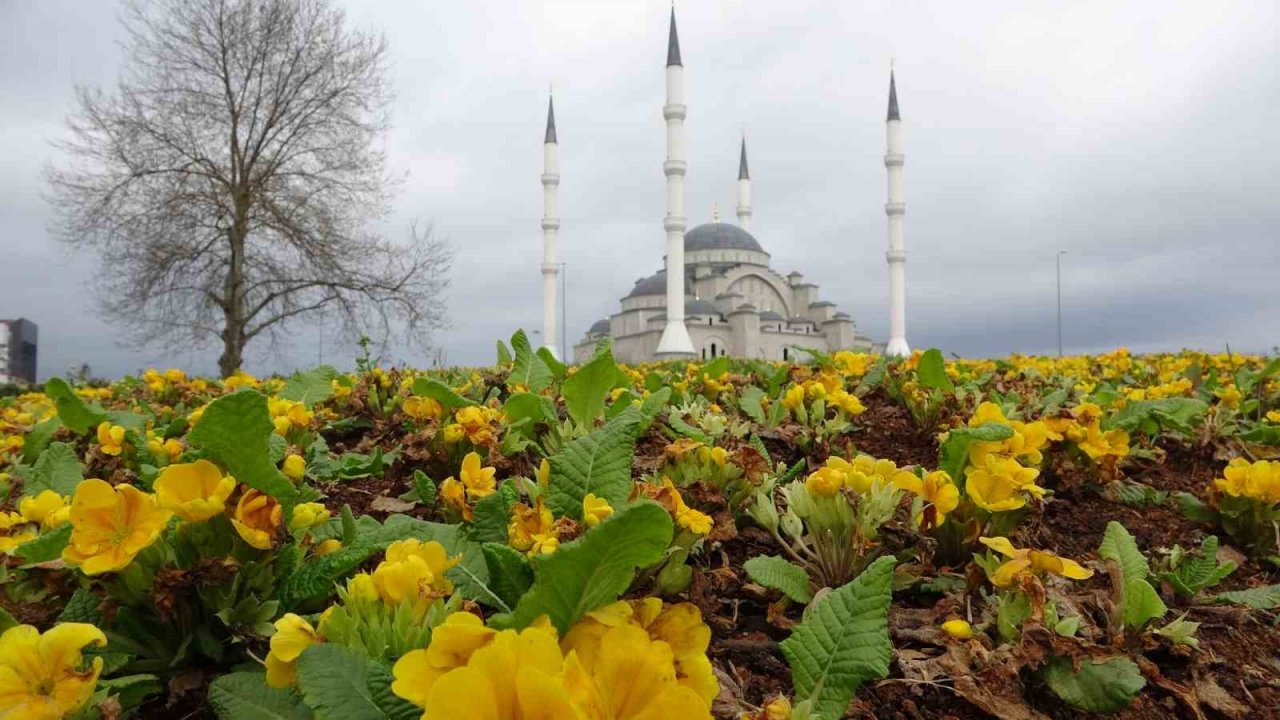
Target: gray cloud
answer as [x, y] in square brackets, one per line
[1137, 136]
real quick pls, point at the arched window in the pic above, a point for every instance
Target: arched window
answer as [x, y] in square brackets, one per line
[713, 349]
[704, 353]
[784, 354]
[711, 321]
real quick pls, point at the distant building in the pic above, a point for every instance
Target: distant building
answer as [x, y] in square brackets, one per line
[18, 351]
[718, 294]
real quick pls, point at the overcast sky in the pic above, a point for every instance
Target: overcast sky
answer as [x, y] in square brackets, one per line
[1140, 137]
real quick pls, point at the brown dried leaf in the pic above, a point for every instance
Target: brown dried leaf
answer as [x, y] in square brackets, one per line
[387, 504]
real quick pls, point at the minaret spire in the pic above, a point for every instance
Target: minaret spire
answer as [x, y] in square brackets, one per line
[744, 188]
[895, 209]
[675, 341]
[550, 228]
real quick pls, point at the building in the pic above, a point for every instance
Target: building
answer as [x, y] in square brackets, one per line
[717, 294]
[17, 351]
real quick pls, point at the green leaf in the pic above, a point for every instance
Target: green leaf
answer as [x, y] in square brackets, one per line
[954, 453]
[504, 355]
[492, 515]
[38, 438]
[425, 487]
[441, 393]
[310, 387]
[1193, 508]
[246, 696]
[844, 641]
[57, 469]
[1139, 602]
[557, 368]
[585, 391]
[74, 412]
[1200, 570]
[315, 578]
[335, 683]
[599, 463]
[528, 369]
[537, 409]
[82, 607]
[778, 573]
[509, 573]
[597, 568]
[131, 690]
[651, 406]
[1106, 686]
[6, 620]
[1179, 413]
[931, 371]
[1260, 435]
[1266, 597]
[235, 430]
[751, 402]
[683, 428]
[46, 547]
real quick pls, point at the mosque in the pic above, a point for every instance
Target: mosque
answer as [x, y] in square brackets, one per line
[717, 294]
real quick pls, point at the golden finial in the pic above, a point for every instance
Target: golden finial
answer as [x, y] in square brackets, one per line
[715, 212]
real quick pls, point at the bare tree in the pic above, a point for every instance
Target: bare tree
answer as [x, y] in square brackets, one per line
[230, 181]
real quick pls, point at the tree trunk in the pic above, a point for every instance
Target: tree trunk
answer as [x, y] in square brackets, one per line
[234, 321]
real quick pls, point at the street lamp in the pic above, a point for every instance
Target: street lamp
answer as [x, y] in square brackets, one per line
[1058, 262]
[564, 305]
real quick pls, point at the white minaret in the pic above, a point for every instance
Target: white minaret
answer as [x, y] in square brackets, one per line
[550, 226]
[895, 209]
[675, 341]
[744, 190]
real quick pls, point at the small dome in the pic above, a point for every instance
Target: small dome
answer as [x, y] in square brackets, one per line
[600, 327]
[720, 236]
[655, 284]
[701, 307]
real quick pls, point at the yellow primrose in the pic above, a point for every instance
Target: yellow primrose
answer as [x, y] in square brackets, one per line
[1230, 396]
[45, 675]
[594, 510]
[793, 400]
[308, 515]
[544, 544]
[194, 491]
[48, 509]
[421, 408]
[543, 473]
[528, 522]
[475, 421]
[1273, 416]
[293, 635]
[414, 570]
[1259, 480]
[1036, 562]
[452, 644]
[111, 525]
[257, 518]
[327, 546]
[477, 479]
[695, 521]
[294, 467]
[453, 433]
[1098, 444]
[825, 482]
[632, 676]
[958, 629]
[939, 493]
[110, 438]
[454, 495]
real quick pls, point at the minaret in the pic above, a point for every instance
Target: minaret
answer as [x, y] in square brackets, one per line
[744, 189]
[895, 209]
[675, 341]
[550, 226]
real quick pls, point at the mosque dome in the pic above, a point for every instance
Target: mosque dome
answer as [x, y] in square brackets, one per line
[655, 284]
[600, 327]
[720, 236]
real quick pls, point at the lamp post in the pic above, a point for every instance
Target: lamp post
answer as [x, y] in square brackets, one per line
[564, 305]
[1058, 262]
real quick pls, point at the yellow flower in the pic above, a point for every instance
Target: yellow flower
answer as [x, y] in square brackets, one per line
[110, 438]
[477, 479]
[958, 629]
[49, 509]
[111, 525]
[293, 635]
[294, 467]
[194, 491]
[793, 400]
[421, 408]
[1259, 480]
[696, 522]
[454, 494]
[632, 676]
[999, 486]
[452, 644]
[414, 570]
[527, 523]
[453, 433]
[1098, 444]
[939, 494]
[474, 420]
[1273, 416]
[1230, 396]
[361, 588]
[1030, 561]
[544, 544]
[44, 675]
[594, 510]
[327, 546]
[257, 518]
[825, 482]
[307, 516]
